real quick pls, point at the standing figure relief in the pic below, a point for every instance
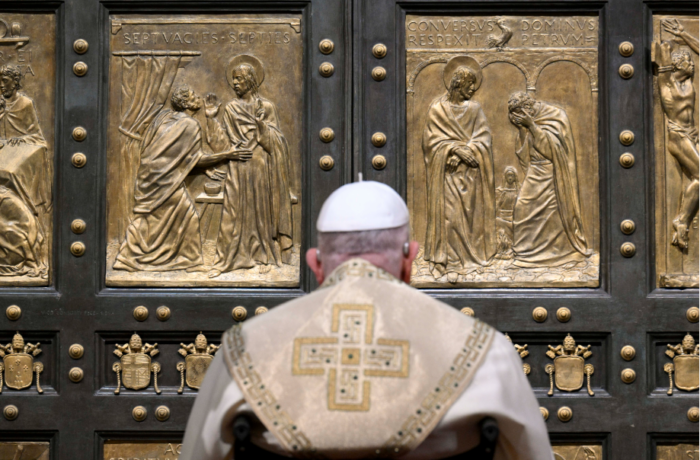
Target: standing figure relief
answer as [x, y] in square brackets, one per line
[676, 75]
[457, 147]
[256, 224]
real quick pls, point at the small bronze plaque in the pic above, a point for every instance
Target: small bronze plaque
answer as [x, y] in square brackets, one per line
[120, 450]
[502, 145]
[568, 372]
[577, 452]
[686, 368]
[27, 114]
[197, 366]
[204, 166]
[136, 371]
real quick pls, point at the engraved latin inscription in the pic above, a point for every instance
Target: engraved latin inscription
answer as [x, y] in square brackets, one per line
[204, 164]
[502, 148]
[122, 450]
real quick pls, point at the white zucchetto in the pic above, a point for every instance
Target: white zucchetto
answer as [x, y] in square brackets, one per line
[362, 206]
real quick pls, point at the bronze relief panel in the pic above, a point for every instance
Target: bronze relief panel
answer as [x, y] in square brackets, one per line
[204, 150]
[674, 55]
[27, 117]
[678, 452]
[119, 450]
[24, 450]
[502, 123]
[577, 452]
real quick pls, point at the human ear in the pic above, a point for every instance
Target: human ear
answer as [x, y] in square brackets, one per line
[314, 262]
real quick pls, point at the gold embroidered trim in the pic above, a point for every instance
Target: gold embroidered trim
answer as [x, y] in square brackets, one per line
[419, 425]
[263, 402]
[358, 268]
[349, 356]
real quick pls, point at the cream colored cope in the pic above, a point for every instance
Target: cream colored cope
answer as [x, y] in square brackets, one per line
[357, 367]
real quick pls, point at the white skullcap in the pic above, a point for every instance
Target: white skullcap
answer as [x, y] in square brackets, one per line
[361, 206]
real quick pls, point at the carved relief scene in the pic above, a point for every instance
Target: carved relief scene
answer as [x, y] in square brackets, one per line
[204, 150]
[577, 452]
[674, 55]
[27, 106]
[502, 123]
[685, 451]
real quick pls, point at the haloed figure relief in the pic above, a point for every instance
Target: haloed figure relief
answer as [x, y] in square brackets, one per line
[256, 224]
[26, 158]
[505, 150]
[204, 183]
[459, 165]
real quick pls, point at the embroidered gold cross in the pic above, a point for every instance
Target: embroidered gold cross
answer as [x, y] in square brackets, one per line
[349, 355]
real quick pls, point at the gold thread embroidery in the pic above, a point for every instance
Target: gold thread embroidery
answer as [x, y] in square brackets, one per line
[418, 425]
[261, 399]
[349, 356]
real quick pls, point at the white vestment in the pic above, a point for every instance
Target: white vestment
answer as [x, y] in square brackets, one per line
[366, 364]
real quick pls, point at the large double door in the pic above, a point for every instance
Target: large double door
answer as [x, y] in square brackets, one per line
[163, 164]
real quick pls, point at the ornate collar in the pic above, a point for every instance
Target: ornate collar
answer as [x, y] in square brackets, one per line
[357, 268]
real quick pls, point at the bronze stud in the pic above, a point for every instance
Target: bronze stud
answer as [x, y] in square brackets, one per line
[563, 314]
[326, 69]
[163, 313]
[469, 311]
[79, 133]
[628, 352]
[260, 310]
[326, 162]
[162, 413]
[627, 160]
[565, 414]
[626, 137]
[628, 375]
[693, 314]
[239, 313]
[13, 312]
[628, 249]
[626, 49]
[379, 162]
[10, 412]
[77, 249]
[379, 73]
[76, 374]
[76, 351]
[326, 46]
[326, 135]
[378, 139]
[79, 160]
[139, 413]
[80, 46]
[539, 314]
[78, 226]
[379, 50]
[627, 226]
[140, 313]
[80, 68]
[544, 412]
[626, 71]
[693, 414]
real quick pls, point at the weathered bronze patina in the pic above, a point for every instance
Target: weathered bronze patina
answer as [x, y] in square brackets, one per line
[502, 116]
[204, 167]
[24, 450]
[678, 452]
[198, 357]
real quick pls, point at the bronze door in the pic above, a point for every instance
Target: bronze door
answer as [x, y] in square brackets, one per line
[550, 182]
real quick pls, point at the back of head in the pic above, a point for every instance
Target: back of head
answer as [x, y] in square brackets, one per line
[367, 219]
